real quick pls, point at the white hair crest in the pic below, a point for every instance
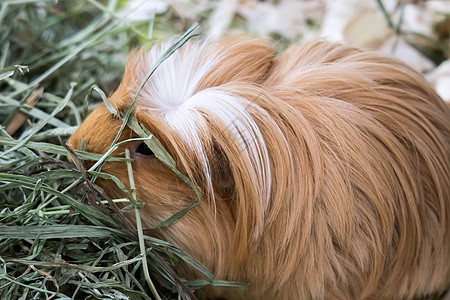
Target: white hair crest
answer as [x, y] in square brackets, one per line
[171, 92]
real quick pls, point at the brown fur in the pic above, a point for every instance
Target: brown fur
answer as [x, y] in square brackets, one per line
[359, 149]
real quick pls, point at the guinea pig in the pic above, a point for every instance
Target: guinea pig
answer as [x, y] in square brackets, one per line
[324, 170]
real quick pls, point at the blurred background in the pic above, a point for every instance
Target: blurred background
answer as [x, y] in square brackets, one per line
[416, 31]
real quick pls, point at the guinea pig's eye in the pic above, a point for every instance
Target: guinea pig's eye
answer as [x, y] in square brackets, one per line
[143, 149]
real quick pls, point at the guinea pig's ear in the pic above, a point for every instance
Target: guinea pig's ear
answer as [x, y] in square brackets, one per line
[243, 59]
[221, 173]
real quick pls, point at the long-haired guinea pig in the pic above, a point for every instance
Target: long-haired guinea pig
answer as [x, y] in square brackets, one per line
[324, 170]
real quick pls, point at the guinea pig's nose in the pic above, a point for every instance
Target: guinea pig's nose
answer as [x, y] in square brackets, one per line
[71, 144]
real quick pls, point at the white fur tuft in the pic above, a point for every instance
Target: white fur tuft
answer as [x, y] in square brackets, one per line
[171, 91]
